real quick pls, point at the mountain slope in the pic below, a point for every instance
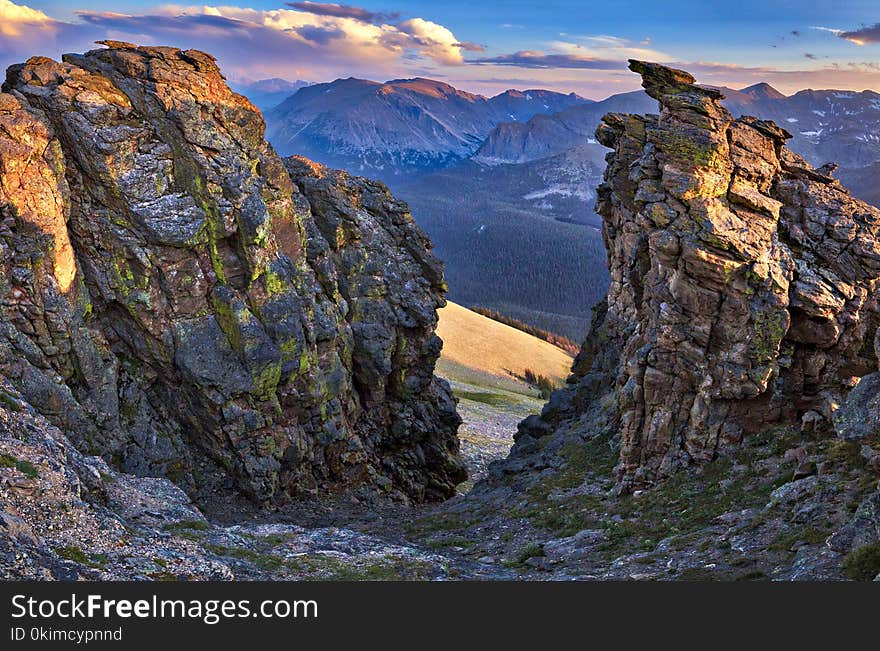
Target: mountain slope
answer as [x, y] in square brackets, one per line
[509, 255]
[762, 91]
[504, 252]
[480, 358]
[268, 93]
[478, 347]
[404, 125]
[494, 217]
[548, 135]
[826, 125]
[864, 182]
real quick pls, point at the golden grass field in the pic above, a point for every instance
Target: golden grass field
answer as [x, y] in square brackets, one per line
[478, 350]
[480, 359]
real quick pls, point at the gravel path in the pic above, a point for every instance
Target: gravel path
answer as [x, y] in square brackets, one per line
[490, 418]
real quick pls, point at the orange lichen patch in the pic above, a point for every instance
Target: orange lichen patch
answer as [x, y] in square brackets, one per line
[316, 168]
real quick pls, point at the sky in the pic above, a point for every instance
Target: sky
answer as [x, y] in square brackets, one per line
[483, 46]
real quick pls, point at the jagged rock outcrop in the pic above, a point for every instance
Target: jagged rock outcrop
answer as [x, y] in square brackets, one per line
[743, 285]
[178, 300]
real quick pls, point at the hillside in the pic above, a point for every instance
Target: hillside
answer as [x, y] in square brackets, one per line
[864, 182]
[476, 348]
[534, 259]
[480, 358]
[548, 135]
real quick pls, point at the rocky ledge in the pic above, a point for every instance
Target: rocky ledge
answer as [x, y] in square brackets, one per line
[183, 303]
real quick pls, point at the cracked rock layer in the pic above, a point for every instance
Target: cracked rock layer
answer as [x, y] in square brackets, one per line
[179, 300]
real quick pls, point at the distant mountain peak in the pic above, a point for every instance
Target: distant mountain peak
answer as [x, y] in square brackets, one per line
[430, 87]
[762, 90]
[267, 93]
[277, 84]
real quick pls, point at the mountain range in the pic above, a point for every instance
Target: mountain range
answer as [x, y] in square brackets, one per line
[400, 126]
[531, 162]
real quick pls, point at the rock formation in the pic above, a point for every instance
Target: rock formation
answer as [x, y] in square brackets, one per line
[743, 285]
[179, 300]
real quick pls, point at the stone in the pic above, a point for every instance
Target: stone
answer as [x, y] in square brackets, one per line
[804, 470]
[863, 529]
[811, 421]
[797, 454]
[858, 416]
[175, 296]
[750, 302]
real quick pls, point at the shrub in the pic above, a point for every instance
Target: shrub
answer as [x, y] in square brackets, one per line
[73, 553]
[544, 384]
[26, 468]
[9, 402]
[532, 550]
[863, 564]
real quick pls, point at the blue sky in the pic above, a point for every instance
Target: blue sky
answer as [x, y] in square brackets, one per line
[482, 46]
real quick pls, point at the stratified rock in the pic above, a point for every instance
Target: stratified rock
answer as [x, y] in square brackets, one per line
[859, 414]
[173, 302]
[742, 285]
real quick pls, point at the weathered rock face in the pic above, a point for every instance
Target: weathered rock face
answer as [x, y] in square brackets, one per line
[176, 299]
[743, 285]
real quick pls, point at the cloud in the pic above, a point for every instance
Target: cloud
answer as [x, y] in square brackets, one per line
[24, 30]
[316, 41]
[14, 19]
[832, 30]
[604, 46]
[536, 59]
[321, 35]
[598, 52]
[467, 46]
[602, 52]
[343, 11]
[436, 41]
[862, 36]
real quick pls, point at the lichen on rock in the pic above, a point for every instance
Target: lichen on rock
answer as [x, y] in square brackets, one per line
[176, 302]
[743, 285]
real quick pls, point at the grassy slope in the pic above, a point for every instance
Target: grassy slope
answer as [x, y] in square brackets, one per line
[478, 349]
[477, 355]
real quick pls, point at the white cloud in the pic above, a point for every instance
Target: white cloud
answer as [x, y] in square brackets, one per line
[604, 46]
[248, 42]
[434, 40]
[15, 19]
